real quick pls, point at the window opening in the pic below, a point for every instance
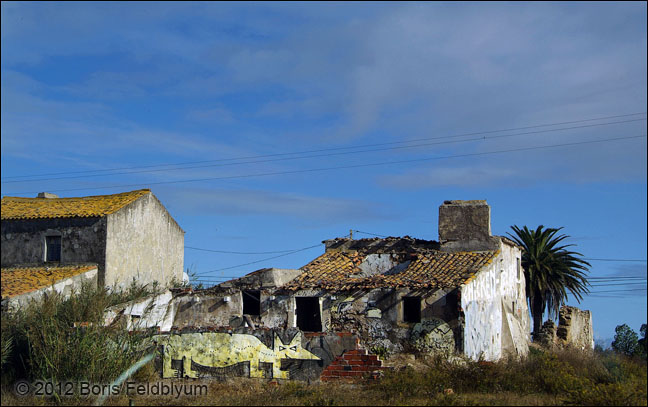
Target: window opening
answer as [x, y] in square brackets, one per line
[53, 248]
[309, 318]
[412, 309]
[252, 302]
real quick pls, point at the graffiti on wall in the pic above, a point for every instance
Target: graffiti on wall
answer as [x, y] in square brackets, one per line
[433, 336]
[198, 354]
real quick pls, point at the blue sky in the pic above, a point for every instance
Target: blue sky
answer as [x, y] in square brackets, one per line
[380, 96]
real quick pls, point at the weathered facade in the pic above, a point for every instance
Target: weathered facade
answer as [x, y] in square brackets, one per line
[128, 236]
[464, 295]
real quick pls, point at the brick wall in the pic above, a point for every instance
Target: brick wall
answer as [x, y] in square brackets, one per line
[353, 365]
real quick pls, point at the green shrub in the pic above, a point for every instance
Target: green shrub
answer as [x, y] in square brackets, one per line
[65, 339]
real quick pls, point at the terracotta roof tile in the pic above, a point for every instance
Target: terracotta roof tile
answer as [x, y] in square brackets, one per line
[433, 269]
[87, 206]
[24, 279]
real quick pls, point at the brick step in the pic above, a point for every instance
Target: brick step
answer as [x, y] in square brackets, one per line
[352, 365]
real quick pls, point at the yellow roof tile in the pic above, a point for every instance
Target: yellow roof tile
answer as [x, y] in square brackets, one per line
[86, 206]
[432, 269]
[25, 279]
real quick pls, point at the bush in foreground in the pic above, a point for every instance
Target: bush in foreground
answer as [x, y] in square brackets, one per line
[64, 339]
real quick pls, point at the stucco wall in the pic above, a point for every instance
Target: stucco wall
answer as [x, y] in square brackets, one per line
[143, 243]
[495, 309]
[65, 287]
[82, 240]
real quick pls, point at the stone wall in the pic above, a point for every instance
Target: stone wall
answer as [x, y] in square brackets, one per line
[83, 240]
[575, 328]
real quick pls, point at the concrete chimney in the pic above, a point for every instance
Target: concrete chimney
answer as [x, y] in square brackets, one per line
[465, 226]
[46, 195]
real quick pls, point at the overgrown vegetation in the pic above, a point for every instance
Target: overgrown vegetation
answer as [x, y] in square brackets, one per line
[59, 340]
[65, 339]
[543, 378]
[572, 377]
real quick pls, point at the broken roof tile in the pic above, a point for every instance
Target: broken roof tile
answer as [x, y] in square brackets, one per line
[430, 269]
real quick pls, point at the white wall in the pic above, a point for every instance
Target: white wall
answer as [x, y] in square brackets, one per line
[496, 314]
[143, 242]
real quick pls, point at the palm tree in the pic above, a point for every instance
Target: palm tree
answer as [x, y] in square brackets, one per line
[550, 270]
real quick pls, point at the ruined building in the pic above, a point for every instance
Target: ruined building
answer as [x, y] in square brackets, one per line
[52, 243]
[463, 295]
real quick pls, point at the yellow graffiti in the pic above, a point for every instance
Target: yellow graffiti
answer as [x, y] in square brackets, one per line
[214, 349]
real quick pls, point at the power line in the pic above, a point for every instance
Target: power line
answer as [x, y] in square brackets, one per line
[634, 260]
[338, 148]
[618, 291]
[258, 261]
[367, 233]
[231, 252]
[343, 167]
[329, 154]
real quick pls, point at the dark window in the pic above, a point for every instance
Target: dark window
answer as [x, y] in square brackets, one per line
[53, 249]
[412, 309]
[308, 314]
[252, 302]
[452, 300]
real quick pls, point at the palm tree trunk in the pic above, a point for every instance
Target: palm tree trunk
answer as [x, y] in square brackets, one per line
[537, 309]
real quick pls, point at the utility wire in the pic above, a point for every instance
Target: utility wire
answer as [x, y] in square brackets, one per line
[332, 149]
[343, 167]
[326, 155]
[617, 291]
[258, 261]
[635, 260]
[367, 233]
[230, 252]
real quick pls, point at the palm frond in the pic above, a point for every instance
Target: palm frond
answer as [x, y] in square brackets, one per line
[552, 271]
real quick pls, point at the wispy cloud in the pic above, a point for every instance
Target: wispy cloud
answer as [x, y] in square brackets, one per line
[228, 202]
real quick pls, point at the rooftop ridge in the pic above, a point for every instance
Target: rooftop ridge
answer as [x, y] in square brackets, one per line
[14, 208]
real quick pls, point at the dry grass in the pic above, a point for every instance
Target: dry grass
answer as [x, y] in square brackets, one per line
[40, 342]
[544, 378]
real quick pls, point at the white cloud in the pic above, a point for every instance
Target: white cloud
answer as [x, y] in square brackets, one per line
[227, 202]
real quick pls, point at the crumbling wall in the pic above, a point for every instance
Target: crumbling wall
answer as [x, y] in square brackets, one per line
[376, 316]
[575, 328]
[152, 312]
